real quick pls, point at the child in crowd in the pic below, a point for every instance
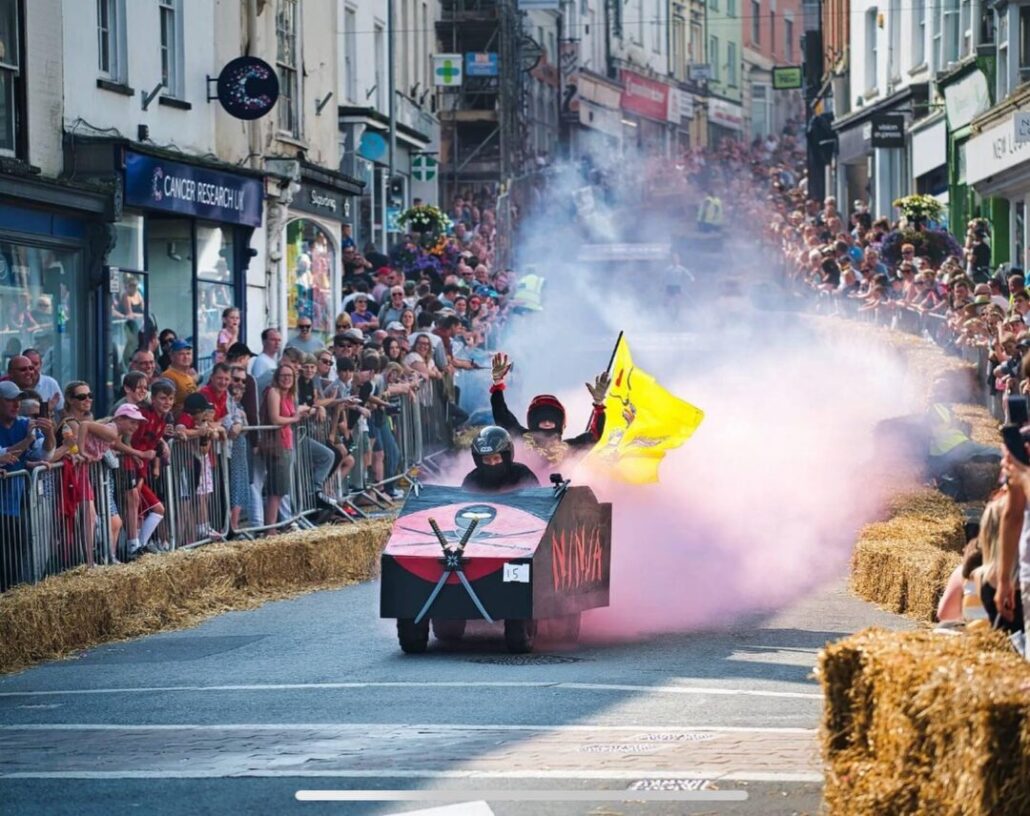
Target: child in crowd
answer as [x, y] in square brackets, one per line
[197, 422]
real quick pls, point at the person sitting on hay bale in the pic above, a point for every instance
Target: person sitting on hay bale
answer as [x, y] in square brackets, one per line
[950, 445]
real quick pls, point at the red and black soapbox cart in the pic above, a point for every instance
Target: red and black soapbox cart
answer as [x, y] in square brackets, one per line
[541, 555]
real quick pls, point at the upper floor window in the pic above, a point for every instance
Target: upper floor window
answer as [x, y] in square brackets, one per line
[713, 56]
[731, 64]
[350, 52]
[756, 22]
[918, 32]
[788, 39]
[10, 73]
[171, 46]
[111, 58]
[871, 50]
[287, 62]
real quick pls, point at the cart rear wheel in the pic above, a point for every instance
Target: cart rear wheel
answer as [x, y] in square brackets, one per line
[519, 635]
[448, 631]
[413, 637]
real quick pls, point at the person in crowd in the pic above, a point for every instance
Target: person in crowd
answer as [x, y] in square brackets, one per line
[180, 371]
[268, 359]
[303, 341]
[324, 459]
[143, 361]
[49, 389]
[546, 417]
[135, 389]
[393, 308]
[228, 334]
[197, 425]
[362, 317]
[217, 390]
[1014, 547]
[495, 467]
[235, 424]
[279, 408]
[23, 442]
[165, 338]
[239, 355]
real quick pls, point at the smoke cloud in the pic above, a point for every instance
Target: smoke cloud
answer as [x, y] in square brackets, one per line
[762, 505]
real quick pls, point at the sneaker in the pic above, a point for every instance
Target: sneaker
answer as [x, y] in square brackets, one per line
[151, 547]
[114, 560]
[135, 554]
[395, 493]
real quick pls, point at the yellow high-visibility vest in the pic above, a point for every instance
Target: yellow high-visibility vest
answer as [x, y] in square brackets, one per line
[944, 435]
[529, 292]
[710, 211]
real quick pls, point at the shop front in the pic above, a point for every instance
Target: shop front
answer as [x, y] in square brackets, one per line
[725, 121]
[182, 244]
[997, 167]
[645, 114]
[52, 240]
[311, 274]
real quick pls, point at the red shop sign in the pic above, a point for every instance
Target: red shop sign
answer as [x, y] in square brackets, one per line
[644, 96]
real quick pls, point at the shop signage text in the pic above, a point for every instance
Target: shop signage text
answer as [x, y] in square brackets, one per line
[888, 130]
[725, 114]
[161, 184]
[321, 201]
[993, 151]
[786, 77]
[644, 96]
[1021, 127]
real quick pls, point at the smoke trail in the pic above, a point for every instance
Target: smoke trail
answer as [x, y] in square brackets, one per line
[763, 504]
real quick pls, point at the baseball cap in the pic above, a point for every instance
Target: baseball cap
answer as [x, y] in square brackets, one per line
[195, 403]
[396, 326]
[180, 345]
[354, 335]
[130, 411]
[10, 391]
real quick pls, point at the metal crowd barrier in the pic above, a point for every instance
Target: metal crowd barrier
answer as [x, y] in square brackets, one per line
[49, 523]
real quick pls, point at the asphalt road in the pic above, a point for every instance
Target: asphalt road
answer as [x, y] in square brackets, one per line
[239, 714]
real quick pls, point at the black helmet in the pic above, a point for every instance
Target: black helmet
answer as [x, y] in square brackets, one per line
[493, 439]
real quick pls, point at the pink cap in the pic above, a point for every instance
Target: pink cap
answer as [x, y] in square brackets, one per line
[130, 411]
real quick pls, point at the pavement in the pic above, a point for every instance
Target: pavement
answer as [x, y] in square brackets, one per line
[240, 713]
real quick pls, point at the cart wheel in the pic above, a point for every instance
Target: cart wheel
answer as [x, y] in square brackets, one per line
[449, 631]
[566, 628]
[413, 637]
[519, 634]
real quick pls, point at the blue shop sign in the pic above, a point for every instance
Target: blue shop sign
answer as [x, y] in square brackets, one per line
[161, 184]
[481, 64]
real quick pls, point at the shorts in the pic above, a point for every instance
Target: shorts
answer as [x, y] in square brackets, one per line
[148, 500]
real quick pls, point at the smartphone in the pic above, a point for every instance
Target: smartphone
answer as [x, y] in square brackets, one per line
[1017, 409]
[1014, 443]
[44, 410]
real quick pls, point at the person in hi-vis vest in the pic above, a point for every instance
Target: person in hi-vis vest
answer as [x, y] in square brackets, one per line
[709, 214]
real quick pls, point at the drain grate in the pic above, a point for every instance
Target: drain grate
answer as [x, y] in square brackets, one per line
[525, 660]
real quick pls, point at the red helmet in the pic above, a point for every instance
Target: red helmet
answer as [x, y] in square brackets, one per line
[545, 407]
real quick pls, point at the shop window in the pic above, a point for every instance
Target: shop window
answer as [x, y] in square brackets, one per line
[288, 65]
[171, 46]
[41, 308]
[10, 71]
[310, 265]
[215, 253]
[170, 269]
[111, 56]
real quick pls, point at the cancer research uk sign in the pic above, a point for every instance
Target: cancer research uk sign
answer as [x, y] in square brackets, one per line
[161, 184]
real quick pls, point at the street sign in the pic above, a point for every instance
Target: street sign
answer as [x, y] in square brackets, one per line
[1021, 123]
[787, 77]
[481, 65]
[248, 88]
[888, 130]
[447, 70]
[423, 167]
[699, 72]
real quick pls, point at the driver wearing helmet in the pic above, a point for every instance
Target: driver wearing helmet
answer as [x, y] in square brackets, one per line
[496, 470]
[546, 417]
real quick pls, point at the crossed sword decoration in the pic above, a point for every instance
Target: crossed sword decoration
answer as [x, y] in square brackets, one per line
[452, 565]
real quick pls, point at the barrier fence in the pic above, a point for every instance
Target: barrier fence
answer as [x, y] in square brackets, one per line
[62, 515]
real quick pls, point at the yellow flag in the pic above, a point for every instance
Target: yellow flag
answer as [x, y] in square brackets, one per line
[642, 421]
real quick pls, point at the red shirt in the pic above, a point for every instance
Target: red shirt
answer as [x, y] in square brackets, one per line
[221, 408]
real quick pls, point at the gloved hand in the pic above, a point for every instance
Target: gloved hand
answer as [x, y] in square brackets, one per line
[501, 365]
[599, 389]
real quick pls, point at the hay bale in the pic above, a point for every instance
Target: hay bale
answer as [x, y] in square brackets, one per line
[922, 723]
[903, 563]
[86, 607]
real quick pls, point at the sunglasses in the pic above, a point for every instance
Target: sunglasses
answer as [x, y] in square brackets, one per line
[325, 362]
[239, 381]
[82, 397]
[304, 328]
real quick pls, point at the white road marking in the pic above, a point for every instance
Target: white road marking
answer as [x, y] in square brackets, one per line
[463, 809]
[643, 729]
[715, 774]
[696, 690]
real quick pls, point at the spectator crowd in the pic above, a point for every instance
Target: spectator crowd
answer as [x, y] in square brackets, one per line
[303, 428]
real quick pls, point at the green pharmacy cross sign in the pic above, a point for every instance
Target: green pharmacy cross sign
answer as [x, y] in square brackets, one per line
[423, 167]
[447, 69]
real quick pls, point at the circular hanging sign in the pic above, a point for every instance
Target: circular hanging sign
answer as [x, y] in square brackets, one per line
[248, 88]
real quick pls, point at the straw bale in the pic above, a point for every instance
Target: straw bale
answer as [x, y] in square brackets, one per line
[903, 563]
[984, 428]
[924, 723]
[86, 607]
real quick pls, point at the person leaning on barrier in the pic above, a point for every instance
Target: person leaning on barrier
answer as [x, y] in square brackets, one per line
[279, 408]
[235, 423]
[324, 459]
[23, 441]
[197, 422]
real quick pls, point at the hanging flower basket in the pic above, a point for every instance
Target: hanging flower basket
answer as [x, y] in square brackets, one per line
[424, 218]
[919, 209]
